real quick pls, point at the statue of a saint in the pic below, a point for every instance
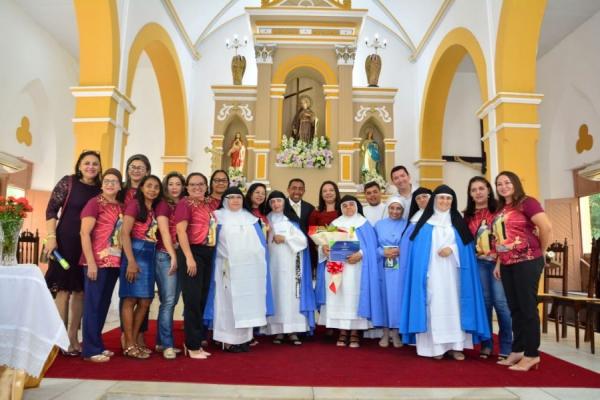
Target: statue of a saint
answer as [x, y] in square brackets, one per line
[304, 125]
[370, 154]
[237, 152]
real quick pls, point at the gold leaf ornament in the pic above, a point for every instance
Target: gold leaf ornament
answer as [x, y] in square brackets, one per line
[23, 133]
[585, 141]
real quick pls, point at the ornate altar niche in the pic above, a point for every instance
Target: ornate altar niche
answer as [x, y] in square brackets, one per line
[305, 51]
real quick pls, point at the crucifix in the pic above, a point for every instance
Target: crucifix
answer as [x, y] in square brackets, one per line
[297, 93]
[471, 161]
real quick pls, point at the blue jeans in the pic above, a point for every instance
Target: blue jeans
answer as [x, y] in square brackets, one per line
[168, 293]
[493, 294]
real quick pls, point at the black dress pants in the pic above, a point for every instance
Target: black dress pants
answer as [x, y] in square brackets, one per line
[194, 291]
[520, 283]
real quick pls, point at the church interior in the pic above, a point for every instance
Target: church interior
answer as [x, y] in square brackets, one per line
[450, 89]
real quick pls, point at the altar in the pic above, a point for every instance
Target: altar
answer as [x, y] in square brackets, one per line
[305, 58]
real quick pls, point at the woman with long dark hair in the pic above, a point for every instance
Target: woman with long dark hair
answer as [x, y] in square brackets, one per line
[63, 224]
[479, 214]
[522, 231]
[139, 236]
[195, 224]
[256, 197]
[166, 263]
[327, 211]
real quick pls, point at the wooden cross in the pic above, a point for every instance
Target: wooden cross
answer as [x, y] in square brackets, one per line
[297, 93]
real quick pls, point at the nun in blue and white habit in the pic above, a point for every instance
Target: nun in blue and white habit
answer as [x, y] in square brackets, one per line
[420, 199]
[291, 274]
[358, 303]
[389, 233]
[445, 310]
[240, 295]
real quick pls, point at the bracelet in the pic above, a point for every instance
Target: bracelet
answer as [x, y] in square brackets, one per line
[51, 235]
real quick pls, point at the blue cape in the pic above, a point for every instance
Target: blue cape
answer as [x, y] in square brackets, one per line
[307, 295]
[413, 318]
[209, 309]
[371, 304]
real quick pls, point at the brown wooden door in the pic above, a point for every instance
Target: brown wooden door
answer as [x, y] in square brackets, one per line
[564, 215]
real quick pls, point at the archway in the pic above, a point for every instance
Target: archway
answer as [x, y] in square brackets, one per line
[449, 54]
[155, 42]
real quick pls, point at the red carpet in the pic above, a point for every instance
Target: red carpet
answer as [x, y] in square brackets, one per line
[321, 363]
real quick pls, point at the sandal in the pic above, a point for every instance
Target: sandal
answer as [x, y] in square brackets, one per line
[457, 355]
[70, 353]
[342, 339]
[144, 349]
[98, 358]
[354, 340]
[108, 353]
[485, 353]
[278, 339]
[134, 352]
[293, 339]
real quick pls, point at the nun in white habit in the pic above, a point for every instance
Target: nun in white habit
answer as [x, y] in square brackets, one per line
[445, 310]
[240, 294]
[291, 275]
[358, 303]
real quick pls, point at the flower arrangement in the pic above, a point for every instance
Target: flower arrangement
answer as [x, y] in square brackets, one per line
[299, 154]
[12, 212]
[373, 176]
[237, 178]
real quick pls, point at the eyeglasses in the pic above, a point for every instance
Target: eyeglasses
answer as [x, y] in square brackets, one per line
[191, 185]
[109, 182]
[220, 180]
[140, 168]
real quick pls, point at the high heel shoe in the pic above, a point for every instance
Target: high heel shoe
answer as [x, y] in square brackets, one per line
[526, 364]
[512, 359]
[195, 354]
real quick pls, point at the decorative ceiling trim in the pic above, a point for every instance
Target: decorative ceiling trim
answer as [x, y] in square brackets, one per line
[432, 27]
[213, 22]
[404, 37]
[172, 12]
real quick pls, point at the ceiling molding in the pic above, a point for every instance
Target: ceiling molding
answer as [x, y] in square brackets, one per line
[432, 27]
[213, 22]
[172, 12]
[404, 37]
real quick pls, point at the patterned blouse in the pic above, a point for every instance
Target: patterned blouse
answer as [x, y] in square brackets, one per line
[106, 243]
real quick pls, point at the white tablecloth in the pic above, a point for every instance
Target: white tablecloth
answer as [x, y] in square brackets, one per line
[29, 321]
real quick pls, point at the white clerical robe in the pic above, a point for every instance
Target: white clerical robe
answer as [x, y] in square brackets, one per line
[341, 308]
[444, 330]
[286, 277]
[376, 213]
[240, 288]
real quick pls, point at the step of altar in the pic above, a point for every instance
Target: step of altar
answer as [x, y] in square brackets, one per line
[75, 389]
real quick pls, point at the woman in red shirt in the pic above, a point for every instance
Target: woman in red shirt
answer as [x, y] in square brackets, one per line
[166, 263]
[479, 214]
[196, 230]
[326, 212]
[101, 220]
[521, 230]
[256, 197]
[219, 183]
[138, 235]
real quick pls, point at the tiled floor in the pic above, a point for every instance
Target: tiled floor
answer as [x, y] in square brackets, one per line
[73, 389]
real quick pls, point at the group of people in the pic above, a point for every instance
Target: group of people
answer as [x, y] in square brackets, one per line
[245, 265]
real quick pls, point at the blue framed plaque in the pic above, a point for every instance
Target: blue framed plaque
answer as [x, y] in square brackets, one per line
[340, 250]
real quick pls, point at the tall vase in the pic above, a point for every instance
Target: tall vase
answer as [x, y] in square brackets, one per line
[238, 67]
[373, 68]
[11, 230]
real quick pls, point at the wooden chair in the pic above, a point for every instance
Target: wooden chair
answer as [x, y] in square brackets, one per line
[28, 248]
[555, 268]
[593, 304]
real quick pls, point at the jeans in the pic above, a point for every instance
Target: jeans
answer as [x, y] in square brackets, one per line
[520, 282]
[168, 293]
[493, 295]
